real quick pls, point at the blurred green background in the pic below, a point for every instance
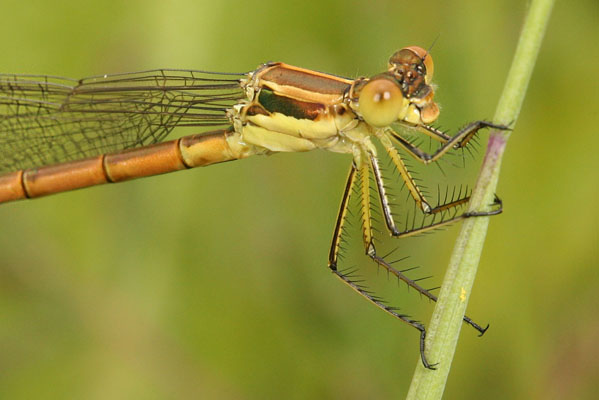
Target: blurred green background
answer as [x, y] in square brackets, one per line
[212, 283]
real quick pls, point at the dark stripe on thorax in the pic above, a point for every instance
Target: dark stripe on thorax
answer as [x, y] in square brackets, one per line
[293, 108]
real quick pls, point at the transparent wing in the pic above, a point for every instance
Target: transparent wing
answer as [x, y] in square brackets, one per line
[46, 120]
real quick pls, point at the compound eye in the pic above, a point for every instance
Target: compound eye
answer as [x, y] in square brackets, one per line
[380, 102]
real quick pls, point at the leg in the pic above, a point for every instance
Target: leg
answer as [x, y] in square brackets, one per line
[463, 137]
[412, 186]
[380, 304]
[439, 209]
[458, 141]
[371, 252]
[367, 236]
[341, 215]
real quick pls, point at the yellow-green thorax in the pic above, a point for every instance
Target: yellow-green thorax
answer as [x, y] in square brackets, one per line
[292, 109]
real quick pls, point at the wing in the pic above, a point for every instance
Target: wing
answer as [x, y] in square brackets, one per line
[46, 120]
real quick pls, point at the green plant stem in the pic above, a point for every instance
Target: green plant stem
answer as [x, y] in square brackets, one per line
[444, 329]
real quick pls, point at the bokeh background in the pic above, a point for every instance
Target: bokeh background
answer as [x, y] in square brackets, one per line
[212, 283]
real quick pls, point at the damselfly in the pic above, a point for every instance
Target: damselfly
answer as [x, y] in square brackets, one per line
[59, 134]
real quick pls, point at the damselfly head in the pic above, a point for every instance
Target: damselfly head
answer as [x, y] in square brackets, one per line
[403, 93]
[412, 64]
[413, 68]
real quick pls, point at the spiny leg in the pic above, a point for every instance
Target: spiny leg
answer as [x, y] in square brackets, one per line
[461, 138]
[456, 142]
[365, 208]
[413, 188]
[459, 141]
[367, 236]
[362, 173]
[380, 304]
[369, 245]
[496, 208]
[425, 292]
[411, 184]
[370, 249]
[446, 206]
[380, 185]
[434, 133]
[341, 215]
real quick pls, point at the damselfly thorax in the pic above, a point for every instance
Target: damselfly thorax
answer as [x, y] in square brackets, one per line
[295, 109]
